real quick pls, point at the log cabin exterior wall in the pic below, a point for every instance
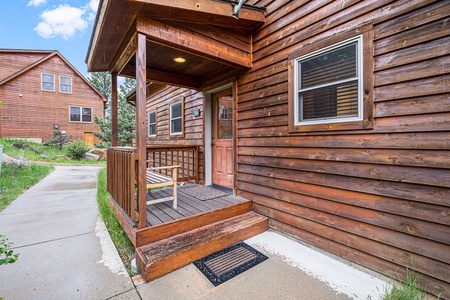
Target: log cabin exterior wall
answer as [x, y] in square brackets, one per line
[376, 197]
[33, 114]
[193, 134]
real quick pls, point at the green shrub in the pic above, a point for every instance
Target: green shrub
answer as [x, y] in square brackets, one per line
[7, 256]
[76, 149]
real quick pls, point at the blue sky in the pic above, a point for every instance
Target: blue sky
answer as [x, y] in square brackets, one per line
[63, 25]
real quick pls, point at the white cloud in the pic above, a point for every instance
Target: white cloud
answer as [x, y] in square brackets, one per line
[93, 5]
[64, 20]
[36, 2]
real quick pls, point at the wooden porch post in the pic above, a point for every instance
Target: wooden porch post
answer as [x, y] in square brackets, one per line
[141, 99]
[114, 111]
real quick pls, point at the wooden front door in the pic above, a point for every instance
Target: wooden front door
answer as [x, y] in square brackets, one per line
[88, 138]
[222, 138]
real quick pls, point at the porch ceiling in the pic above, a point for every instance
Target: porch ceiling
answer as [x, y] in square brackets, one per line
[196, 30]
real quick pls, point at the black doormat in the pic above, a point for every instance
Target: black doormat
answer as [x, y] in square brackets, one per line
[202, 192]
[229, 262]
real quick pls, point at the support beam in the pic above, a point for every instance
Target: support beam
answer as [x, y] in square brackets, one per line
[164, 78]
[191, 42]
[203, 11]
[141, 141]
[125, 52]
[114, 112]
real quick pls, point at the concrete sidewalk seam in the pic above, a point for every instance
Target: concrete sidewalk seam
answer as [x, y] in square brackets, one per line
[45, 210]
[124, 292]
[54, 240]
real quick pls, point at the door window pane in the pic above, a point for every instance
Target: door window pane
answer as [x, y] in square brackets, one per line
[225, 119]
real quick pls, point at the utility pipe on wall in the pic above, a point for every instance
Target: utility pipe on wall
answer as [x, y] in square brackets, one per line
[237, 8]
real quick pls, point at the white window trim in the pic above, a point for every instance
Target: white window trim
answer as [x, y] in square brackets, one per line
[181, 117]
[81, 114]
[71, 85]
[359, 61]
[148, 122]
[42, 81]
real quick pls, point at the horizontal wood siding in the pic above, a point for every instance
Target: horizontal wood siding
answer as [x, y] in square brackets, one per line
[33, 114]
[159, 101]
[378, 197]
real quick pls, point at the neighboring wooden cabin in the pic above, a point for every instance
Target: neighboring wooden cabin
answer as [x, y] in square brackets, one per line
[341, 123]
[41, 91]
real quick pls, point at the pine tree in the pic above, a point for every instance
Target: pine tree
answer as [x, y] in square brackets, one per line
[126, 114]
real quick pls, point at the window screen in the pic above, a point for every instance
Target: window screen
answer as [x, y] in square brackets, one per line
[65, 84]
[176, 118]
[48, 82]
[328, 84]
[152, 123]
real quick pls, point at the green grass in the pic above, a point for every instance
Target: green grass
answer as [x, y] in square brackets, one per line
[118, 236]
[15, 180]
[32, 151]
[409, 290]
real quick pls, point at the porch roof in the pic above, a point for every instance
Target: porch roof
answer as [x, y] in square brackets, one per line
[203, 32]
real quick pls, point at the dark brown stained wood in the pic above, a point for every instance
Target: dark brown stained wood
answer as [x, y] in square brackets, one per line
[421, 158]
[156, 76]
[370, 245]
[141, 128]
[415, 88]
[193, 43]
[422, 69]
[415, 18]
[416, 210]
[437, 177]
[125, 222]
[162, 257]
[378, 196]
[402, 224]
[171, 228]
[114, 111]
[413, 106]
[430, 140]
[125, 52]
[379, 15]
[414, 36]
[412, 54]
[203, 11]
[407, 191]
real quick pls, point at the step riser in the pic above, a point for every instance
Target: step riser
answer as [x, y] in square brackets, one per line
[179, 258]
[156, 233]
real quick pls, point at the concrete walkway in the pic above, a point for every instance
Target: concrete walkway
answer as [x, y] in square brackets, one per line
[66, 253]
[65, 250]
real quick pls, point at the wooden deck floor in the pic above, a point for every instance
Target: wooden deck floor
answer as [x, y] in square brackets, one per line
[188, 205]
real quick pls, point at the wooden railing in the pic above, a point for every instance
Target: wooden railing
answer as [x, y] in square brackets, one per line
[184, 156]
[121, 178]
[122, 165]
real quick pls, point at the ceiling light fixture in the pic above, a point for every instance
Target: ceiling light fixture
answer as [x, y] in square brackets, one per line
[179, 59]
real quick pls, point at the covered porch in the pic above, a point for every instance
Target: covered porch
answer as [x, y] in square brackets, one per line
[191, 44]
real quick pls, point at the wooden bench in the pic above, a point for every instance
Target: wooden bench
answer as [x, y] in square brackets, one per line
[156, 180]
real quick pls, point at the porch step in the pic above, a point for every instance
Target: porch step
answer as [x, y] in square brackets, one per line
[164, 256]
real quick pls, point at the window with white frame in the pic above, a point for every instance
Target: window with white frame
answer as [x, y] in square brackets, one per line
[152, 123]
[65, 84]
[329, 82]
[176, 118]
[80, 114]
[225, 113]
[48, 82]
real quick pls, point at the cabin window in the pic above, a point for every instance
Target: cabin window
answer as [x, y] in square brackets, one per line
[80, 114]
[48, 82]
[176, 118]
[328, 84]
[65, 84]
[152, 123]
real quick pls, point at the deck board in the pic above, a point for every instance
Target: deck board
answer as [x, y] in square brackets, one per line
[160, 213]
